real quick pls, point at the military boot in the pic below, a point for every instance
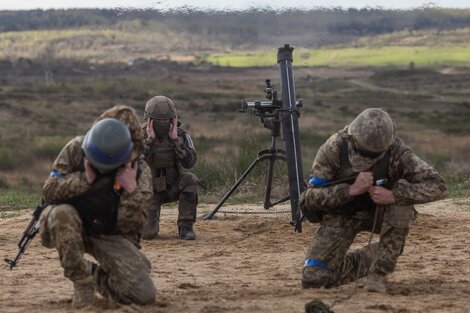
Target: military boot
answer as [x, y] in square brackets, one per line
[152, 225]
[314, 277]
[376, 282]
[186, 232]
[84, 292]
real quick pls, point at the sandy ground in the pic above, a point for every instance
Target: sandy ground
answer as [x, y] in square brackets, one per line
[252, 263]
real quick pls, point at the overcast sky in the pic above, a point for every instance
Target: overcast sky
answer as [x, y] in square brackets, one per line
[226, 4]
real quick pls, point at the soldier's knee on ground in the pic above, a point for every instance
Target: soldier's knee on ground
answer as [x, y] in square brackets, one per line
[124, 272]
[144, 292]
[127, 287]
[316, 277]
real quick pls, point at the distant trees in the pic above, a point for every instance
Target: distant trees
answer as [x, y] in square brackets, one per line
[246, 27]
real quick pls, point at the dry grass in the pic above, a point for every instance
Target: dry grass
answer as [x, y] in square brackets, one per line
[36, 119]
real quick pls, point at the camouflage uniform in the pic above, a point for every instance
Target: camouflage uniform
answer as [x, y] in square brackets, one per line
[411, 180]
[166, 159]
[123, 273]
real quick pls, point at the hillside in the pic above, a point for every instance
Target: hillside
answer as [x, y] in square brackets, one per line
[121, 35]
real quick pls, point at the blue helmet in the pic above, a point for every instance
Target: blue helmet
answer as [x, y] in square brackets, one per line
[108, 145]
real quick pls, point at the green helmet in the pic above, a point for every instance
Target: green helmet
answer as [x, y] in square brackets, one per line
[108, 144]
[159, 107]
[372, 130]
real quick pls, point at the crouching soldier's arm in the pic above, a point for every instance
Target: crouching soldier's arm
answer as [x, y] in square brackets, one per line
[134, 205]
[184, 149]
[325, 166]
[67, 179]
[418, 182]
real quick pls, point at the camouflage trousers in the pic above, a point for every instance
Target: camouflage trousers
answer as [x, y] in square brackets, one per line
[123, 273]
[328, 262]
[185, 190]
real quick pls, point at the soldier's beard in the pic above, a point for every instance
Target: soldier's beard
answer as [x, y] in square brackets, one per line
[161, 128]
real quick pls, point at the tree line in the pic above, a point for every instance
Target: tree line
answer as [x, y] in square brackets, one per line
[251, 26]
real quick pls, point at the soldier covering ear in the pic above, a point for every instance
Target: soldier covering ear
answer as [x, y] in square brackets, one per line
[169, 149]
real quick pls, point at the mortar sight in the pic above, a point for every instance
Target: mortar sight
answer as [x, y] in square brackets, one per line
[262, 108]
[266, 108]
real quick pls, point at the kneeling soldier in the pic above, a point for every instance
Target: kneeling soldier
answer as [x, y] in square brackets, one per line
[98, 192]
[169, 149]
[390, 178]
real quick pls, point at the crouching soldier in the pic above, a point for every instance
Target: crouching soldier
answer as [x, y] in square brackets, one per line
[98, 192]
[387, 179]
[169, 149]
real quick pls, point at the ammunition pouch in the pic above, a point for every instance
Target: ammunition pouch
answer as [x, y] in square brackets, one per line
[164, 177]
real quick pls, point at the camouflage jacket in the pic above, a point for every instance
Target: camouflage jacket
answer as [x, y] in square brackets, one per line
[68, 179]
[414, 180]
[183, 147]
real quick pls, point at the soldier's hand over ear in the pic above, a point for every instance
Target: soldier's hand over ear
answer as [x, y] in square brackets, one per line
[149, 128]
[381, 195]
[127, 176]
[89, 172]
[173, 134]
[362, 184]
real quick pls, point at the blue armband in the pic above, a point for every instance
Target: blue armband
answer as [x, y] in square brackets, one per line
[54, 173]
[316, 263]
[317, 181]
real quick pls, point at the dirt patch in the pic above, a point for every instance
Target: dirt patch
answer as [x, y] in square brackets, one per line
[252, 263]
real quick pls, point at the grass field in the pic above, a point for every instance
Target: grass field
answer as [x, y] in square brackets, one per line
[70, 76]
[355, 57]
[130, 41]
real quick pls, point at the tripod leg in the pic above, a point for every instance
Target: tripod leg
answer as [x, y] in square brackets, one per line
[269, 183]
[280, 201]
[234, 187]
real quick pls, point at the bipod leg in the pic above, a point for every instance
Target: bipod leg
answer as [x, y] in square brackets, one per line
[281, 200]
[234, 187]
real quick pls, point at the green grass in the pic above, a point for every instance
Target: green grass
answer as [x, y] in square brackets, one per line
[354, 57]
[12, 201]
[15, 153]
[458, 185]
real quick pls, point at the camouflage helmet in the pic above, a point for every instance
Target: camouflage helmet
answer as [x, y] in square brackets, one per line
[159, 107]
[108, 145]
[372, 130]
